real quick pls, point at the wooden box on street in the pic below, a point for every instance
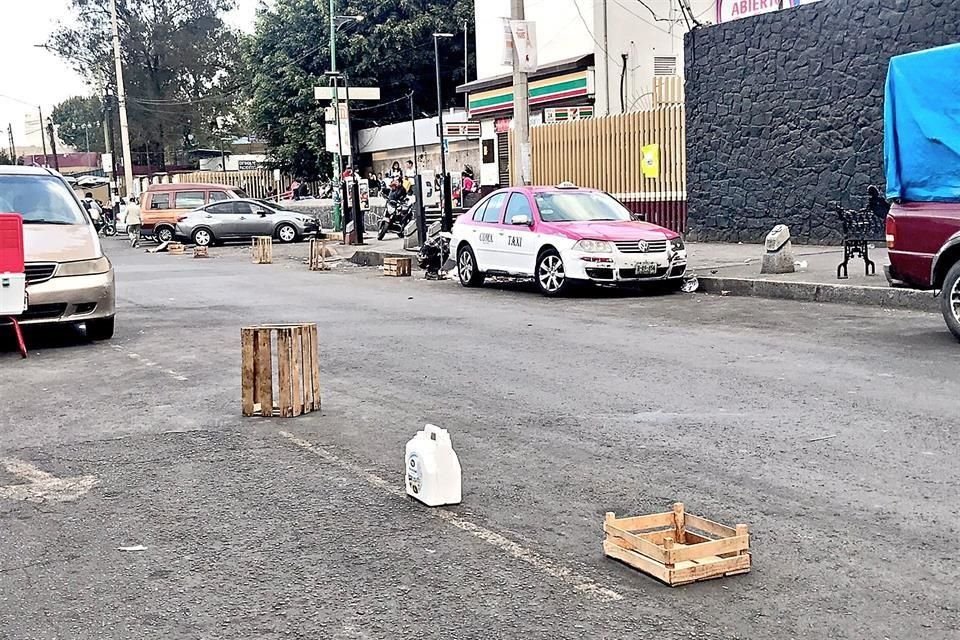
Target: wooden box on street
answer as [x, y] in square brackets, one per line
[397, 267]
[293, 347]
[677, 547]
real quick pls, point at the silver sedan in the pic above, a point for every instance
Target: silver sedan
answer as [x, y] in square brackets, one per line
[241, 220]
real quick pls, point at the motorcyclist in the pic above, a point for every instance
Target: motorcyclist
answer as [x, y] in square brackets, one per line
[397, 193]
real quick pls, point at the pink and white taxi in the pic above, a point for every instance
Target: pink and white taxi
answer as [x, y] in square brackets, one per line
[562, 235]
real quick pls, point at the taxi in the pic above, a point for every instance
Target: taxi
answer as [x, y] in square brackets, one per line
[561, 236]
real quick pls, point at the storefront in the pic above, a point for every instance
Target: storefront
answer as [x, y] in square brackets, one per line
[566, 87]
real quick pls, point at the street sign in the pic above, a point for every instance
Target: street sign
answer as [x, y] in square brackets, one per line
[461, 130]
[355, 93]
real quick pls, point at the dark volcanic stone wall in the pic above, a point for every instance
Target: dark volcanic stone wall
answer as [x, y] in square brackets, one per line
[785, 112]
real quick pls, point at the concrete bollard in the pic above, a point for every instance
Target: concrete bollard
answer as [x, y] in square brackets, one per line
[778, 255]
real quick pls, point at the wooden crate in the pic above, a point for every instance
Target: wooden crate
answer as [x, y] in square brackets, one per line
[294, 348]
[318, 255]
[262, 250]
[175, 248]
[397, 267]
[201, 252]
[677, 547]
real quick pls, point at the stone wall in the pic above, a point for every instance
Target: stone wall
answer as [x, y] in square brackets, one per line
[785, 112]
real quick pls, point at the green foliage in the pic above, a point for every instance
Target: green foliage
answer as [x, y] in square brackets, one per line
[79, 120]
[392, 48]
[5, 157]
[179, 61]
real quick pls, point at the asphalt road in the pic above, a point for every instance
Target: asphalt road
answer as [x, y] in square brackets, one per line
[830, 430]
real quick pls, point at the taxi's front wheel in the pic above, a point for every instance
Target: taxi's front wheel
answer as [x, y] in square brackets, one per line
[551, 278]
[470, 275]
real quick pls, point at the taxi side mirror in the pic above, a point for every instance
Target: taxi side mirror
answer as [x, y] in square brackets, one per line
[521, 220]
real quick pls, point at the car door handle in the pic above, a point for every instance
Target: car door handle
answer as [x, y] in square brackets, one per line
[208, 216]
[500, 233]
[243, 217]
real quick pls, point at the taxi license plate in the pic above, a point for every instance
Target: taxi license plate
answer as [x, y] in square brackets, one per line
[646, 268]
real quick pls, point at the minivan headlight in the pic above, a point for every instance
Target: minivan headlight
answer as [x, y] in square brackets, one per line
[84, 267]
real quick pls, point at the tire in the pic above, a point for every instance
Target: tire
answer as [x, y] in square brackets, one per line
[382, 232]
[163, 234]
[202, 237]
[100, 329]
[550, 275]
[950, 300]
[467, 271]
[109, 230]
[286, 233]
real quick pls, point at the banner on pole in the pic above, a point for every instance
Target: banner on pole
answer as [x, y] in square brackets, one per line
[525, 40]
[507, 43]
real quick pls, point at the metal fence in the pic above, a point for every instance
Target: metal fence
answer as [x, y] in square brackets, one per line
[255, 182]
[607, 153]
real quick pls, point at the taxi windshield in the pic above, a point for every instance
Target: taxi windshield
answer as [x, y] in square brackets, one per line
[579, 206]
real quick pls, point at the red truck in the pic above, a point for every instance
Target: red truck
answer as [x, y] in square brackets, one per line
[922, 161]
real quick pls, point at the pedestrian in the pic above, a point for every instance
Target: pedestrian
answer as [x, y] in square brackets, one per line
[133, 222]
[468, 183]
[96, 211]
[409, 171]
[395, 171]
[295, 189]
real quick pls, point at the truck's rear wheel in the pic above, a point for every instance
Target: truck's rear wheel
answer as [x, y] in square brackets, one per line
[950, 300]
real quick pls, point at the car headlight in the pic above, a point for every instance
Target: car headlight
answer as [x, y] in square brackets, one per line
[594, 246]
[677, 244]
[84, 267]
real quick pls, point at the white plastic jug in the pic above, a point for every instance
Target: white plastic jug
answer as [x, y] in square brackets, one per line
[433, 474]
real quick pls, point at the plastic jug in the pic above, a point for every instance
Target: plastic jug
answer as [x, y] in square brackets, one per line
[433, 474]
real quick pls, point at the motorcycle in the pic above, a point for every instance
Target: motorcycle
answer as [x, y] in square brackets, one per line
[434, 254]
[105, 224]
[396, 216]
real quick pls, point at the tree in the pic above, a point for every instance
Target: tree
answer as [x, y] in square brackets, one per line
[79, 123]
[179, 58]
[5, 158]
[392, 48]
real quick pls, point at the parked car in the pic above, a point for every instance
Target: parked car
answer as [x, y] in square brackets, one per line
[923, 242]
[69, 279]
[162, 204]
[243, 219]
[563, 235]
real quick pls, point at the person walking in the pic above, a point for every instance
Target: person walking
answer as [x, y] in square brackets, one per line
[133, 222]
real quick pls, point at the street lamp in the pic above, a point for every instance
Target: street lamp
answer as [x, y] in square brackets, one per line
[335, 23]
[447, 223]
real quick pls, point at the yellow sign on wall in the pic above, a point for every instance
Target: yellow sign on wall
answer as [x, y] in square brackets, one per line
[651, 161]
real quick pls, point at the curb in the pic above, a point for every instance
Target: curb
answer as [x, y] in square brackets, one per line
[374, 258]
[888, 298]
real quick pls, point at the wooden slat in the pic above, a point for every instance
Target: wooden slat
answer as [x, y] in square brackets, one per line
[636, 543]
[284, 372]
[247, 378]
[711, 569]
[709, 526]
[315, 376]
[712, 548]
[639, 523]
[264, 372]
[296, 366]
[637, 561]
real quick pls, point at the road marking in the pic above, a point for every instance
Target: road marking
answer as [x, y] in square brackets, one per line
[150, 363]
[579, 582]
[42, 486]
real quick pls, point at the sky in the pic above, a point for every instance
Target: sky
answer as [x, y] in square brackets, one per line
[31, 76]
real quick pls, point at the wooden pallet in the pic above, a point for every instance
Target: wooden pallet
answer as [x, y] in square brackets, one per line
[677, 547]
[175, 248]
[201, 252]
[294, 349]
[318, 255]
[262, 250]
[397, 267]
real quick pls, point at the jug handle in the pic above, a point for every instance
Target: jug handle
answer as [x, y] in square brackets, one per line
[433, 431]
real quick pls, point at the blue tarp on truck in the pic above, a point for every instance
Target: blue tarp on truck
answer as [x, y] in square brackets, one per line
[922, 126]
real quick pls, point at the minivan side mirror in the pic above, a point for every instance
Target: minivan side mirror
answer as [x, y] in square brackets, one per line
[522, 219]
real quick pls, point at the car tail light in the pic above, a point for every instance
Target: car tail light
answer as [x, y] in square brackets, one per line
[891, 231]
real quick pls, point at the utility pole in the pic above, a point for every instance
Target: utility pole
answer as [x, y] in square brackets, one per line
[43, 138]
[13, 146]
[53, 144]
[466, 66]
[446, 223]
[122, 105]
[337, 158]
[521, 103]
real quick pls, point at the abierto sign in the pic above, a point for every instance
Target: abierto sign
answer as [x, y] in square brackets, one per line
[728, 10]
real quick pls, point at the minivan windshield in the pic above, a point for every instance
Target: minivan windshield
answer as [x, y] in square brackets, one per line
[39, 200]
[579, 206]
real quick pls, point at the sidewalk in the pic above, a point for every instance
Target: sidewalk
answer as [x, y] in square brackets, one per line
[734, 269]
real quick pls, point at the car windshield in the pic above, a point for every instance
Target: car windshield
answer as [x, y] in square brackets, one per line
[579, 206]
[39, 200]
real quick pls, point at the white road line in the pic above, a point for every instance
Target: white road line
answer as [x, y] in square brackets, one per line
[150, 363]
[579, 582]
[41, 486]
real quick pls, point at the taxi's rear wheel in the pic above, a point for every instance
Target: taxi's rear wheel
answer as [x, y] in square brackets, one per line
[551, 277]
[470, 275]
